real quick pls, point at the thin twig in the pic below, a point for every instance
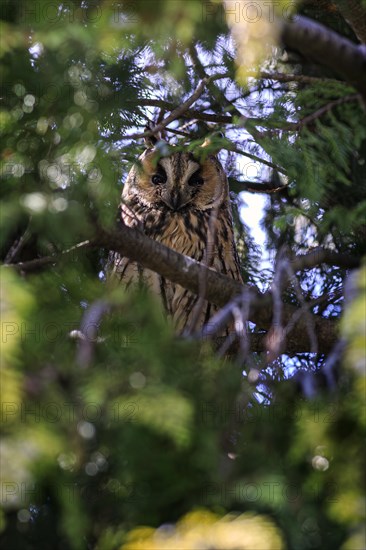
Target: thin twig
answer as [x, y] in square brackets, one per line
[303, 79]
[188, 113]
[295, 126]
[207, 261]
[243, 334]
[17, 246]
[276, 335]
[178, 132]
[37, 263]
[174, 115]
[221, 100]
[262, 187]
[309, 321]
[88, 334]
[217, 323]
[332, 360]
[179, 111]
[236, 149]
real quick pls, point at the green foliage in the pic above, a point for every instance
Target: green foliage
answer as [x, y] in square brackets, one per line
[134, 439]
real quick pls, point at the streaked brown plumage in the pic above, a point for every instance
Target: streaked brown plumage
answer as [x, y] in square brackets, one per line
[172, 199]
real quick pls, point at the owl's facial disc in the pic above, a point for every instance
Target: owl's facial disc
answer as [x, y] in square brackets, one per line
[177, 182]
[177, 188]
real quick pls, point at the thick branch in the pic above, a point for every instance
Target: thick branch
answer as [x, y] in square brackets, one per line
[219, 288]
[327, 47]
[323, 256]
[355, 15]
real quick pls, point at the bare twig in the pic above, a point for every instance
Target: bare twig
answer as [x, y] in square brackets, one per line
[188, 113]
[295, 126]
[304, 307]
[207, 261]
[236, 149]
[242, 330]
[17, 246]
[174, 115]
[351, 293]
[38, 263]
[87, 336]
[334, 358]
[218, 321]
[178, 132]
[303, 79]
[262, 187]
[276, 336]
[222, 101]
[179, 111]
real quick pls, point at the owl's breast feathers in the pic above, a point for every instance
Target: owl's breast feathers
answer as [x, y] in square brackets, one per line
[186, 232]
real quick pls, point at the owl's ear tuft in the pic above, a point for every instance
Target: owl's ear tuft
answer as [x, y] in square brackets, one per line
[150, 141]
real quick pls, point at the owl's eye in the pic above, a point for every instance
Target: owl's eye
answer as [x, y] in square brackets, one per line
[158, 179]
[195, 179]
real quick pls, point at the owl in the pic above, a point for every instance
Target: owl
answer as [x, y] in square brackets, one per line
[182, 201]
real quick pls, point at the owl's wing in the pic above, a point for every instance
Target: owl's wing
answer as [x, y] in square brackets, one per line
[226, 260]
[129, 271]
[120, 267]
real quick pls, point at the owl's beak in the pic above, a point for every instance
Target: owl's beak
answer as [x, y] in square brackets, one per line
[174, 201]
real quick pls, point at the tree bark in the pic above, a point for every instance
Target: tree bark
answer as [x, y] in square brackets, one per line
[219, 288]
[328, 48]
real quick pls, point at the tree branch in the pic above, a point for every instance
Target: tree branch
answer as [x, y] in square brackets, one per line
[323, 256]
[181, 110]
[303, 79]
[355, 15]
[295, 126]
[177, 113]
[220, 98]
[235, 149]
[327, 47]
[261, 187]
[219, 288]
[188, 113]
[38, 263]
